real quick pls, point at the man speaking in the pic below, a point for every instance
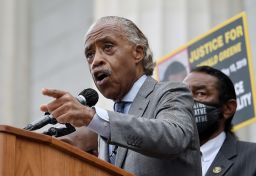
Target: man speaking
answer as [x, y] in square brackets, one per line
[152, 130]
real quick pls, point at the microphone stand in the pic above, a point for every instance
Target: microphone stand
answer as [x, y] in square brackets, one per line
[58, 132]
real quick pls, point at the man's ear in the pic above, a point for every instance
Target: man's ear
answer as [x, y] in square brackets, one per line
[229, 108]
[138, 53]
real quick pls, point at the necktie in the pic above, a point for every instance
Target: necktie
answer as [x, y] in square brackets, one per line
[118, 107]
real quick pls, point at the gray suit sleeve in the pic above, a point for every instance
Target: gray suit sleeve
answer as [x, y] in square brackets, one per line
[165, 128]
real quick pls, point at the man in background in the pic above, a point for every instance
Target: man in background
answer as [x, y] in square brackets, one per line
[222, 153]
[152, 131]
[176, 71]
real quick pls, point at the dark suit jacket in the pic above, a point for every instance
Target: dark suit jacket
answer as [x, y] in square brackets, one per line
[158, 137]
[235, 158]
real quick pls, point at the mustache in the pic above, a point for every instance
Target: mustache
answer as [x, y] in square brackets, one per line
[105, 72]
[101, 73]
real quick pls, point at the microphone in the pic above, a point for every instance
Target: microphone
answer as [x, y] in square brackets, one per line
[88, 97]
[46, 119]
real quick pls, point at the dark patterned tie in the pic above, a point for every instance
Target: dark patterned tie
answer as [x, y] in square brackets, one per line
[118, 107]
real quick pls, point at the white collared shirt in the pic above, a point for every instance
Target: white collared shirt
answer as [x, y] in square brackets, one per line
[209, 150]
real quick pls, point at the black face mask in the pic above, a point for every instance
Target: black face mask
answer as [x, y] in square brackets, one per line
[207, 118]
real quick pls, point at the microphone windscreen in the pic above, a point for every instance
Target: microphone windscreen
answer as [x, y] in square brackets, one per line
[90, 95]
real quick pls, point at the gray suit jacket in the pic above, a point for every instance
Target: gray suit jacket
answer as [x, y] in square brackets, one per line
[158, 137]
[235, 158]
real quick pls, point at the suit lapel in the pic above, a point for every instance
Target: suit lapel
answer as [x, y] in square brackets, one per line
[138, 107]
[220, 166]
[141, 101]
[223, 161]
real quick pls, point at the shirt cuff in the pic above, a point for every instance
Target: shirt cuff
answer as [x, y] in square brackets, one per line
[100, 123]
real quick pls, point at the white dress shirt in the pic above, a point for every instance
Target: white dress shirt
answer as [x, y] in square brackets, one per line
[209, 150]
[100, 121]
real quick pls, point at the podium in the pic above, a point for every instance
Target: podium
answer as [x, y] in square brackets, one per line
[25, 153]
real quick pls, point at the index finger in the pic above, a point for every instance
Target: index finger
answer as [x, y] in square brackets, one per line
[53, 92]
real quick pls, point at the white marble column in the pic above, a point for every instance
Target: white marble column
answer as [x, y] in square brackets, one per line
[14, 62]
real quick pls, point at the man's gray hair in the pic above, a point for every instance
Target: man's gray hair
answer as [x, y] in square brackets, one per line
[134, 35]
